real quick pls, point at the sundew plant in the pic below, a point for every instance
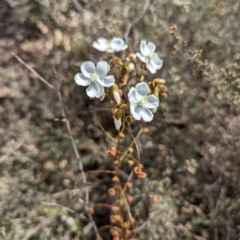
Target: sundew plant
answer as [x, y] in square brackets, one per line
[127, 82]
[124, 79]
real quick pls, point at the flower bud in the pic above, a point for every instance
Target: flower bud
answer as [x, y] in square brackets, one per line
[124, 78]
[121, 135]
[157, 81]
[132, 57]
[116, 94]
[156, 91]
[129, 66]
[145, 130]
[117, 61]
[115, 179]
[130, 150]
[117, 117]
[111, 191]
[162, 89]
[163, 96]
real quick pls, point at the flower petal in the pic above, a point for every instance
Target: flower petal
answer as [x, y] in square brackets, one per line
[135, 111]
[101, 44]
[152, 102]
[101, 91]
[107, 81]
[80, 79]
[151, 47]
[156, 61]
[88, 68]
[151, 67]
[118, 44]
[117, 122]
[143, 48]
[142, 57]
[93, 90]
[132, 96]
[102, 68]
[146, 114]
[142, 88]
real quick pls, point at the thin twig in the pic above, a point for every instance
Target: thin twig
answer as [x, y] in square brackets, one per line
[130, 25]
[71, 137]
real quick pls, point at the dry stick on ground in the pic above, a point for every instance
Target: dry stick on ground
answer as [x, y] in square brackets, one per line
[141, 15]
[70, 134]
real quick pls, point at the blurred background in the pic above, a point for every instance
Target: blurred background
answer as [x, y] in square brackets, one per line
[191, 154]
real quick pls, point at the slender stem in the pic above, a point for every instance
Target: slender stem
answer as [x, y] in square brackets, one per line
[132, 143]
[71, 138]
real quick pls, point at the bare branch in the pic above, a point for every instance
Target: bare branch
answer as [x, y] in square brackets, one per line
[71, 138]
[141, 15]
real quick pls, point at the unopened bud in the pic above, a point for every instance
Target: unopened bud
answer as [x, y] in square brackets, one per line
[115, 179]
[162, 89]
[145, 130]
[111, 191]
[157, 81]
[117, 60]
[163, 96]
[117, 117]
[132, 57]
[130, 150]
[129, 66]
[124, 78]
[156, 91]
[121, 135]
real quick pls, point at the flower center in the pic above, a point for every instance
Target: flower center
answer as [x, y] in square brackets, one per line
[152, 56]
[94, 77]
[142, 102]
[110, 44]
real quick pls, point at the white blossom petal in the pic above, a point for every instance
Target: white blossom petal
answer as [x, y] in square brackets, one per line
[117, 96]
[134, 110]
[157, 62]
[151, 67]
[107, 81]
[88, 68]
[131, 95]
[80, 79]
[118, 44]
[102, 69]
[101, 91]
[142, 88]
[151, 47]
[117, 123]
[93, 90]
[142, 57]
[101, 44]
[143, 48]
[152, 102]
[146, 114]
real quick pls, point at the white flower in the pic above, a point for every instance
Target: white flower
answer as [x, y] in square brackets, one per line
[95, 78]
[147, 55]
[141, 102]
[114, 45]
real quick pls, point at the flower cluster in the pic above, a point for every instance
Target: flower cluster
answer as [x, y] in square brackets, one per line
[100, 79]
